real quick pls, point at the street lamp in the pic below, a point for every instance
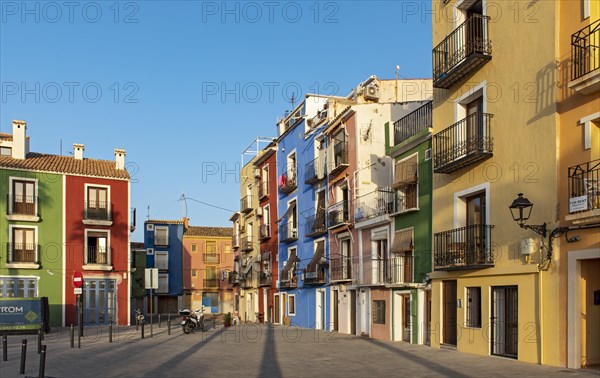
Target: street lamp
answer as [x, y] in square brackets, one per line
[521, 210]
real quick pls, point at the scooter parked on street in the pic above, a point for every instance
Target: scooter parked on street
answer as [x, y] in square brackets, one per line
[191, 321]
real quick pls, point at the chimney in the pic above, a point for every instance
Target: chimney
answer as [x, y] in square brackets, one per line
[20, 145]
[78, 151]
[119, 158]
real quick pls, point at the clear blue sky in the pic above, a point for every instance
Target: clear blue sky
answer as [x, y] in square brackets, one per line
[162, 68]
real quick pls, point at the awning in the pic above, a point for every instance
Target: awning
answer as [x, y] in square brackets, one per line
[403, 241]
[320, 214]
[248, 265]
[290, 210]
[406, 172]
[289, 265]
[316, 259]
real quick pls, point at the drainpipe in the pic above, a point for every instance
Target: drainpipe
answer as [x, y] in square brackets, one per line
[541, 347]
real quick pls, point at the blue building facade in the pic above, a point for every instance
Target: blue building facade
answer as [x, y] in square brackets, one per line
[163, 240]
[303, 247]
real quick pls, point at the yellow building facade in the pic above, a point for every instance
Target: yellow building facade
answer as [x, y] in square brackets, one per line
[496, 286]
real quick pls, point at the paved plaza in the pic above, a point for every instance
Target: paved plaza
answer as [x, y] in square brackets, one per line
[254, 350]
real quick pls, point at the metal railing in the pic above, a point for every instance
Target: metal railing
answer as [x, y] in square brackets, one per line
[376, 203]
[413, 123]
[233, 278]
[211, 257]
[211, 283]
[340, 268]
[315, 224]
[395, 270]
[338, 213]
[320, 116]
[21, 252]
[18, 204]
[264, 231]
[316, 276]
[584, 187]
[288, 283]
[464, 247]
[246, 203]
[314, 171]
[469, 38]
[287, 232]
[247, 243]
[96, 210]
[585, 50]
[291, 181]
[97, 255]
[264, 279]
[466, 141]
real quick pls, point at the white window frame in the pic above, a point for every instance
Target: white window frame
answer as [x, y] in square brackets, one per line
[289, 221]
[88, 266]
[290, 298]
[288, 164]
[11, 179]
[88, 185]
[158, 228]
[265, 179]
[19, 265]
[416, 208]
[166, 256]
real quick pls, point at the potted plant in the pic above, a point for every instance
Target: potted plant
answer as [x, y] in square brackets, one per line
[227, 320]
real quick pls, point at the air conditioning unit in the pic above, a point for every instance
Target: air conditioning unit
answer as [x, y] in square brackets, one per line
[257, 173]
[259, 212]
[372, 92]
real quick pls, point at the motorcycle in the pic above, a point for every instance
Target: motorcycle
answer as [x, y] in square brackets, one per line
[192, 320]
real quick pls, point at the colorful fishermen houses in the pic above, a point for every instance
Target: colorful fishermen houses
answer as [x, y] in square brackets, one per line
[65, 214]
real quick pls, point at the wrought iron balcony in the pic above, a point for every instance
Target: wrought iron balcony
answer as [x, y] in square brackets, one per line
[315, 276]
[211, 283]
[246, 280]
[247, 243]
[290, 181]
[22, 253]
[211, 257]
[246, 204]
[374, 204]
[340, 268]
[264, 279]
[585, 58]
[287, 232]
[265, 231]
[18, 204]
[396, 270]
[338, 214]
[98, 255]
[466, 142]
[339, 160]
[315, 224]
[233, 278]
[462, 52]
[584, 191]
[314, 171]
[318, 118]
[96, 210]
[413, 123]
[467, 247]
[288, 283]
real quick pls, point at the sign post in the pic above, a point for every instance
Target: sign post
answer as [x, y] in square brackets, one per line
[77, 284]
[151, 275]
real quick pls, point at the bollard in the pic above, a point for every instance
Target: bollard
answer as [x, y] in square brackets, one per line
[39, 341]
[142, 330]
[23, 356]
[151, 329]
[137, 323]
[169, 325]
[78, 340]
[159, 322]
[72, 336]
[42, 362]
[4, 348]
[110, 330]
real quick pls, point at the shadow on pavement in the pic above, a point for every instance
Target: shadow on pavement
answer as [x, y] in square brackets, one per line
[269, 366]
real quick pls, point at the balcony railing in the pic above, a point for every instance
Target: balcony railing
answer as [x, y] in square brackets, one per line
[467, 247]
[133, 219]
[584, 187]
[235, 241]
[246, 204]
[287, 232]
[265, 256]
[318, 118]
[315, 224]
[95, 210]
[338, 214]
[211, 257]
[21, 252]
[265, 231]
[585, 50]
[314, 171]
[246, 280]
[288, 283]
[413, 123]
[341, 268]
[374, 204]
[211, 283]
[396, 270]
[339, 160]
[247, 244]
[97, 255]
[233, 278]
[290, 181]
[465, 142]
[264, 279]
[316, 276]
[18, 204]
[263, 189]
[463, 51]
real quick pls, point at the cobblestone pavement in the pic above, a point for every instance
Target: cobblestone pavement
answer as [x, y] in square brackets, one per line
[254, 350]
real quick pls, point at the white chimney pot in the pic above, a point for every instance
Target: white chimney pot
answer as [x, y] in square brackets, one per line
[20, 145]
[119, 158]
[78, 151]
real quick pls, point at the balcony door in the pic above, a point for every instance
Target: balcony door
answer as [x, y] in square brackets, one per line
[474, 125]
[476, 235]
[97, 248]
[97, 203]
[380, 262]
[505, 316]
[23, 197]
[23, 247]
[475, 29]
[99, 301]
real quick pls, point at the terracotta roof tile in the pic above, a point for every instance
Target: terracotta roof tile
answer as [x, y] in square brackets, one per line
[65, 164]
[6, 136]
[163, 221]
[224, 232]
[137, 245]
